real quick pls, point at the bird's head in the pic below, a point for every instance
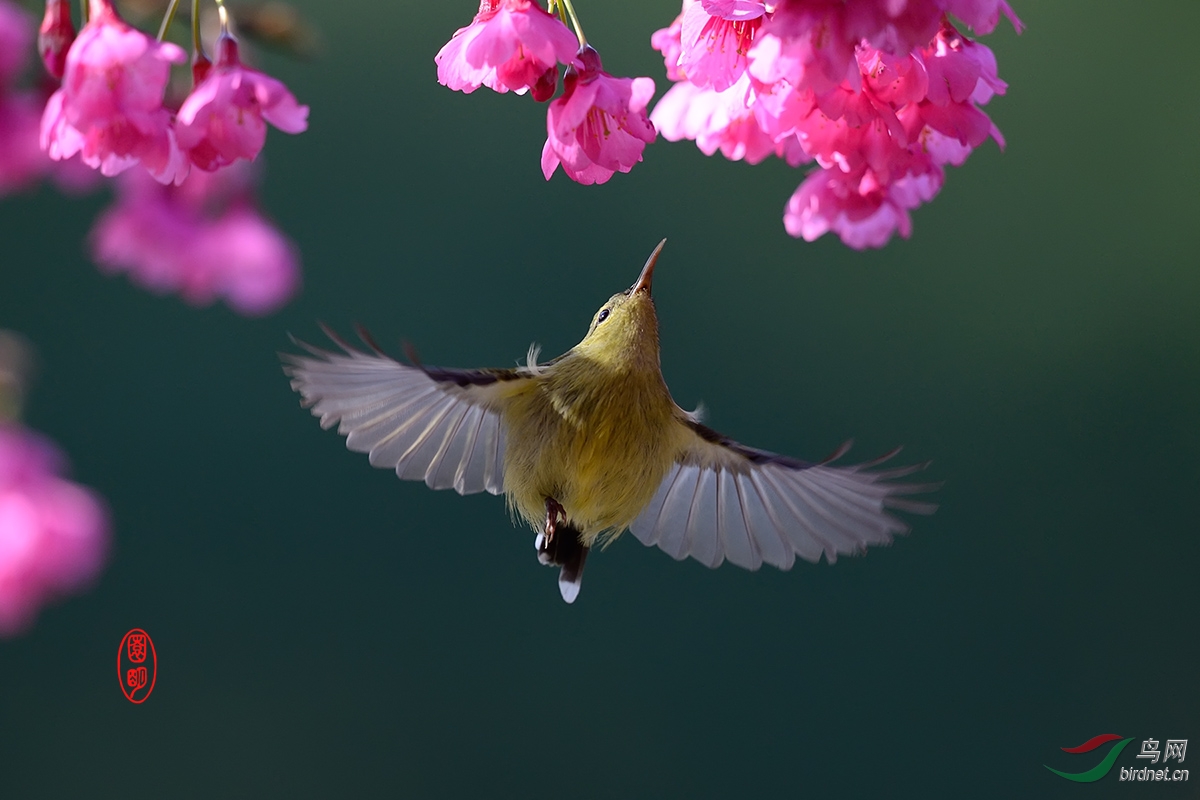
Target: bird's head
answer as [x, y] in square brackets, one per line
[624, 331]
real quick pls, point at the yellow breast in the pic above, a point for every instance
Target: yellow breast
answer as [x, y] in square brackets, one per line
[596, 439]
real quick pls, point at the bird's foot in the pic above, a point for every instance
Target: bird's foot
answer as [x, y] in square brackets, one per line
[555, 515]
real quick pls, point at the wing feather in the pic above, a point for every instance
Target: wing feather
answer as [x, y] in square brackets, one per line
[807, 542]
[493, 473]
[737, 543]
[859, 512]
[658, 503]
[724, 501]
[809, 522]
[464, 475]
[676, 511]
[702, 531]
[835, 528]
[426, 442]
[439, 475]
[761, 519]
[387, 436]
[442, 426]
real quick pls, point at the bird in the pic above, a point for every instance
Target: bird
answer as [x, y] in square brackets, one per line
[590, 444]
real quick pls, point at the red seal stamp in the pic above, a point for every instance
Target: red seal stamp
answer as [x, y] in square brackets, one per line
[137, 664]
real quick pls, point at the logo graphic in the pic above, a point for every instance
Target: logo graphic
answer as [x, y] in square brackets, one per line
[1100, 770]
[1175, 749]
[137, 665]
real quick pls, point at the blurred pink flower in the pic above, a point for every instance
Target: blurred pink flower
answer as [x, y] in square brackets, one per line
[511, 44]
[145, 234]
[22, 161]
[257, 267]
[16, 35]
[55, 36]
[222, 119]
[53, 533]
[598, 126]
[203, 240]
[110, 106]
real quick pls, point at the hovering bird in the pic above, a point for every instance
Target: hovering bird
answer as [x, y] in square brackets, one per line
[589, 444]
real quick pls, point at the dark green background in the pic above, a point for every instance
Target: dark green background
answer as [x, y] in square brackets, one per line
[325, 630]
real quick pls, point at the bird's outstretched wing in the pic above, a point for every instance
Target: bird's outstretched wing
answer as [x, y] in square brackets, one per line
[724, 501]
[438, 425]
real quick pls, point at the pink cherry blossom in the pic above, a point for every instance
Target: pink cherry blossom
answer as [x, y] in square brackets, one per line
[668, 41]
[53, 532]
[222, 120]
[859, 208]
[16, 35]
[807, 46]
[892, 81]
[202, 240]
[721, 121]
[110, 107]
[598, 126]
[882, 94]
[983, 15]
[962, 76]
[715, 37]
[511, 44]
[894, 27]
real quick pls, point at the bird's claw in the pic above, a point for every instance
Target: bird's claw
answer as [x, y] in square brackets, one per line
[555, 514]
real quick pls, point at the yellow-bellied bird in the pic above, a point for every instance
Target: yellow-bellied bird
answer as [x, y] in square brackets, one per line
[591, 443]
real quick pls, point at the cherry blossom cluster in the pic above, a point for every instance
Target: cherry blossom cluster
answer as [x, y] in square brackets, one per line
[880, 94]
[54, 533]
[597, 127]
[118, 111]
[22, 162]
[110, 108]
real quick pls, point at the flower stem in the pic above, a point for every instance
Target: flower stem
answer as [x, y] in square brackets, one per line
[196, 46]
[224, 16]
[575, 22]
[84, 7]
[168, 18]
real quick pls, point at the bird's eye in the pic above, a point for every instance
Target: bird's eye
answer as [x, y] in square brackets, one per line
[603, 316]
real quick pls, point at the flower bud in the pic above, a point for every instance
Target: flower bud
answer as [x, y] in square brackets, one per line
[200, 67]
[543, 89]
[55, 36]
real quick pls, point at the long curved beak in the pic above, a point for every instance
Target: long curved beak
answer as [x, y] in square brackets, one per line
[644, 280]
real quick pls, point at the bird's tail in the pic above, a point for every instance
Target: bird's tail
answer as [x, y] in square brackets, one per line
[567, 551]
